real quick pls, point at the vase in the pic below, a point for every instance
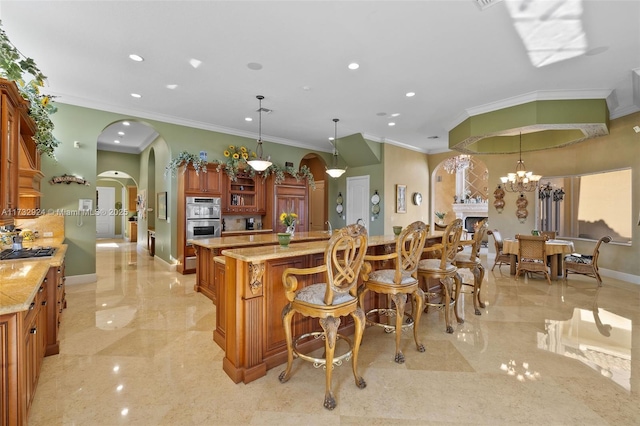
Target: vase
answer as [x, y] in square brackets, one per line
[291, 229]
[283, 239]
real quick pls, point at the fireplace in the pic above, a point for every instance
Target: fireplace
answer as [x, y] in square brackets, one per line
[471, 221]
[471, 213]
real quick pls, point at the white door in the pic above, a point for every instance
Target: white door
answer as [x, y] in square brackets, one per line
[316, 207]
[105, 222]
[357, 203]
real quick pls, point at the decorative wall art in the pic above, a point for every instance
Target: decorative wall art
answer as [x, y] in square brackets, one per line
[522, 211]
[162, 205]
[401, 198]
[498, 203]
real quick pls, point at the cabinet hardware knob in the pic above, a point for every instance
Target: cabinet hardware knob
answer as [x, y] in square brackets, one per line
[44, 303]
[32, 305]
[34, 330]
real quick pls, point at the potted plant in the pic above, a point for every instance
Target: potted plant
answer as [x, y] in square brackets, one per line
[440, 216]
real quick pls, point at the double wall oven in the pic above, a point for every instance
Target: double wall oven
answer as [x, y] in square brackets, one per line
[203, 217]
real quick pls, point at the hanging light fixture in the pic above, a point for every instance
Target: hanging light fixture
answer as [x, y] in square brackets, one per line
[459, 162]
[335, 171]
[521, 180]
[259, 163]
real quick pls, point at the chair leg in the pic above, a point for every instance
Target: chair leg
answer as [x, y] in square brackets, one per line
[287, 315]
[598, 278]
[359, 322]
[400, 301]
[478, 274]
[330, 326]
[458, 292]
[446, 301]
[418, 300]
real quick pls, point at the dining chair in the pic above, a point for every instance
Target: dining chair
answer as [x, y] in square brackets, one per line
[333, 297]
[444, 273]
[397, 283]
[501, 257]
[551, 235]
[584, 264]
[471, 261]
[532, 256]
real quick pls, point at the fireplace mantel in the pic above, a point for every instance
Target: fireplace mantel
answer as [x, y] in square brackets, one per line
[462, 210]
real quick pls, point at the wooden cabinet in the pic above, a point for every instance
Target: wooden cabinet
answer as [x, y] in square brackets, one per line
[25, 339]
[209, 183]
[132, 231]
[219, 333]
[205, 279]
[245, 195]
[17, 151]
[291, 196]
[57, 302]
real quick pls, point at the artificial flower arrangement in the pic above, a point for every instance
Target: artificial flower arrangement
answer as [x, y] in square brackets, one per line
[288, 218]
[12, 67]
[441, 215]
[186, 158]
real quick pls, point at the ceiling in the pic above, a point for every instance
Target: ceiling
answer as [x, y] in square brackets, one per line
[460, 60]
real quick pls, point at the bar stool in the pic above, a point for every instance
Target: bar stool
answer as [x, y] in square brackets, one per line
[335, 296]
[397, 283]
[471, 261]
[444, 271]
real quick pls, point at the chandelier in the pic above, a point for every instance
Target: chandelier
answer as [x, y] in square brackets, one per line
[521, 180]
[259, 163]
[459, 162]
[335, 171]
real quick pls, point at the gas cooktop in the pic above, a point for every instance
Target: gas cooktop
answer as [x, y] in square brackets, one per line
[27, 253]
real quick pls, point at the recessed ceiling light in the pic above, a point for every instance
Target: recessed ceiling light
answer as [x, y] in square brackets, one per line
[172, 86]
[135, 95]
[331, 138]
[395, 114]
[136, 58]
[126, 123]
[410, 94]
[392, 124]
[254, 66]
[433, 137]
[116, 141]
[354, 66]
[195, 63]
[248, 119]
[121, 133]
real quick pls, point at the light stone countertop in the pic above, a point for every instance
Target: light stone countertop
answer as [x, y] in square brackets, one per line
[257, 240]
[20, 279]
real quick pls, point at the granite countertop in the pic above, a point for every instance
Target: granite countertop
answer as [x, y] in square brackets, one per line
[248, 232]
[20, 279]
[256, 240]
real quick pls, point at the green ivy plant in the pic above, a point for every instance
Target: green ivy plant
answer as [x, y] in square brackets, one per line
[237, 161]
[13, 65]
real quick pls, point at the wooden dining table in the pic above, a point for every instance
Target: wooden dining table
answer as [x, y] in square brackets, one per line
[555, 250]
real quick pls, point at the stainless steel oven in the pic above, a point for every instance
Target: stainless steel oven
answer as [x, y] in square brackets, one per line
[203, 228]
[203, 208]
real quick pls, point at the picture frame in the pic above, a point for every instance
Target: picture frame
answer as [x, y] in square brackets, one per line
[162, 205]
[401, 198]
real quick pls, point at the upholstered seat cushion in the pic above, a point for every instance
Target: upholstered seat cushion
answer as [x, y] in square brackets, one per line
[579, 258]
[464, 257]
[434, 265]
[315, 294]
[387, 276]
[527, 260]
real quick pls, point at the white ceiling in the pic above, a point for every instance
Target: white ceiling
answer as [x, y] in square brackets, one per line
[460, 60]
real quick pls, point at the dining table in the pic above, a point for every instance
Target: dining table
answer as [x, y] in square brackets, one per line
[555, 250]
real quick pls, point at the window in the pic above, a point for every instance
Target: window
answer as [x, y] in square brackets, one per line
[587, 206]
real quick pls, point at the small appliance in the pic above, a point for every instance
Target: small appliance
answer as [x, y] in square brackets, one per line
[250, 224]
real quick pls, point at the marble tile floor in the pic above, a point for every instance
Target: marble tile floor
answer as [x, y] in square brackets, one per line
[137, 348]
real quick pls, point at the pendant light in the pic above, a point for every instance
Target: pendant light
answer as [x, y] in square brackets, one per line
[335, 171]
[522, 180]
[259, 163]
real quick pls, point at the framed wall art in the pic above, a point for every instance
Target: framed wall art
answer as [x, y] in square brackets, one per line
[401, 198]
[162, 205]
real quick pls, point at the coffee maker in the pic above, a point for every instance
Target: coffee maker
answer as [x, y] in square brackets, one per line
[249, 224]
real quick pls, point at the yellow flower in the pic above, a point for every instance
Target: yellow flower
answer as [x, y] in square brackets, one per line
[235, 155]
[243, 149]
[226, 153]
[44, 101]
[287, 219]
[253, 155]
[231, 147]
[245, 155]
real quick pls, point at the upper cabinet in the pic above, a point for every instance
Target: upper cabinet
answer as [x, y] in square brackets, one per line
[19, 159]
[209, 183]
[245, 195]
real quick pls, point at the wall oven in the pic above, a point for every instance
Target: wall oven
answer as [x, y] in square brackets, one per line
[203, 217]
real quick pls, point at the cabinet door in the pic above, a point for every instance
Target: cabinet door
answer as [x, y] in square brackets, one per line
[8, 160]
[192, 181]
[291, 199]
[212, 181]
